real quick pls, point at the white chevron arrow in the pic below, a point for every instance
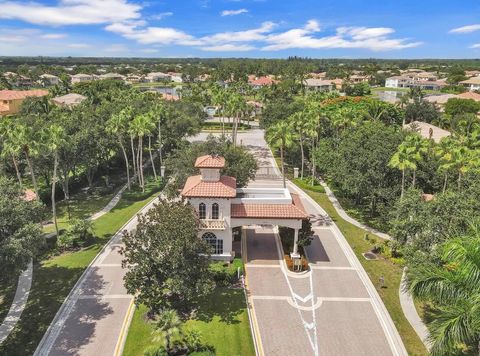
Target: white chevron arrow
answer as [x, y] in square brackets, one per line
[303, 300]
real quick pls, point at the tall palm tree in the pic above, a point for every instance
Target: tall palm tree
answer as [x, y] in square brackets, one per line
[26, 138]
[444, 152]
[118, 126]
[402, 160]
[453, 287]
[299, 125]
[167, 326]
[281, 136]
[416, 147]
[150, 126]
[54, 139]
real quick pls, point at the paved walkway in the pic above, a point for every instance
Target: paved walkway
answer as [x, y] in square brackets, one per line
[25, 279]
[411, 314]
[18, 304]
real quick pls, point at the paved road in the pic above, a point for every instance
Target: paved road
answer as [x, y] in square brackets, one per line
[332, 310]
[91, 320]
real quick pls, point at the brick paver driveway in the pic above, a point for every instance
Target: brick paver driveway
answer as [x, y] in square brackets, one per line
[327, 311]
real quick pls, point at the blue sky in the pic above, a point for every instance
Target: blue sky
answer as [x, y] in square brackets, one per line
[242, 28]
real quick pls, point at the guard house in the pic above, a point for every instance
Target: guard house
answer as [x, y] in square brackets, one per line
[221, 206]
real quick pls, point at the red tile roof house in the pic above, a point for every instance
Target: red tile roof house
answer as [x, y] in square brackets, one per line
[257, 83]
[11, 100]
[221, 206]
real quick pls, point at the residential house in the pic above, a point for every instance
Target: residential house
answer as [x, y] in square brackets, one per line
[469, 95]
[18, 80]
[428, 131]
[157, 77]
[175, 77]
[69, 100]
[221, 206]
[338, 82]
[49, 79]
[11, 100]
[259, 82]
[80, 78]
[113, 76]
[318, 84]
[472, 84]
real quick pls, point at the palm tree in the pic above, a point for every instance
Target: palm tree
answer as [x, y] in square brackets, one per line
[54, 138]
[236, 106]
[167, 326]
[150, 126]
[444, 152]
[281, 136]
[453, 287]
[140, 127]
[118, 125]
[299, 125]
[25, 137]
[416, 147]
[11, 148]
[402, 160]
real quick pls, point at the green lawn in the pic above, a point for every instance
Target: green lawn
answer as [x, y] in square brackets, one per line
[391, 271]
[54, 276]
[222, 320]
[404, 90]
[81, 206]
[156, 84]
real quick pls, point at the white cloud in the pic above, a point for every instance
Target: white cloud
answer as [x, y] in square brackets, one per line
[466, 29]
[229, 48]
[149, 50]
[477, 45]
[53, 36]
[256, 34]
[79, 45]
[71, 12]
[233, 12]
[12, 39]
[374, 38]
[161, 15]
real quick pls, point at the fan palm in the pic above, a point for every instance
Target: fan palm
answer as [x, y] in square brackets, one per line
[453, 287]
[167, 326]
[402, 160]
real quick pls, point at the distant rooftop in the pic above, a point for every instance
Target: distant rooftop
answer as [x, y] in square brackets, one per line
[428, 130]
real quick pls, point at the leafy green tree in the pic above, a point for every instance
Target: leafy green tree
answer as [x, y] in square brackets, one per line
[357, 89]
[455, 106]
[167, 262]
[21, 237]
[452, 284]
[421, 110]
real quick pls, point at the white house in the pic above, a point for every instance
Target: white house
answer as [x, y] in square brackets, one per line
[49, 79]
[313, 84]
[157, 77]
[397, 81]
[69, 100]
[80, 78]
[176, 77]
[114, 76]
[221, 206]
[472, 84]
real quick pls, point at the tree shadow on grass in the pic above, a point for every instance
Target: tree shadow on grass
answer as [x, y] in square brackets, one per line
[226, 303]
[50, 286]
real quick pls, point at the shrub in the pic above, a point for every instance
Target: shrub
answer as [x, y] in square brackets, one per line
[224, 274]
[155, 351]
[78, 234]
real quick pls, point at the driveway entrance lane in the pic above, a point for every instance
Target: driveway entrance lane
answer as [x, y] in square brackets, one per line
[261, 247]
[350, 328]
[333, 283]
[281, 329]
[325, 250]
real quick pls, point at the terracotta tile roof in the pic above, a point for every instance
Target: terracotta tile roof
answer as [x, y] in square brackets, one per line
[271, 211]
[210, 161]
[469, 95]
[29, 195]
[262, 81]
[21, 94]
[195, 187]
[170, 97]
[4, 107]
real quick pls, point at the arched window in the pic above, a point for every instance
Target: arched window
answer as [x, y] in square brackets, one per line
[202, 211]
[215, 211]
[212, 240]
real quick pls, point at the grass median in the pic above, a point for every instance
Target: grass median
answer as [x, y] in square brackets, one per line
[389, 269]
[221, 318]
[55, 275]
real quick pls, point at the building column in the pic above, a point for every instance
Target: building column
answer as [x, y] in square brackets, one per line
[295, 243]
